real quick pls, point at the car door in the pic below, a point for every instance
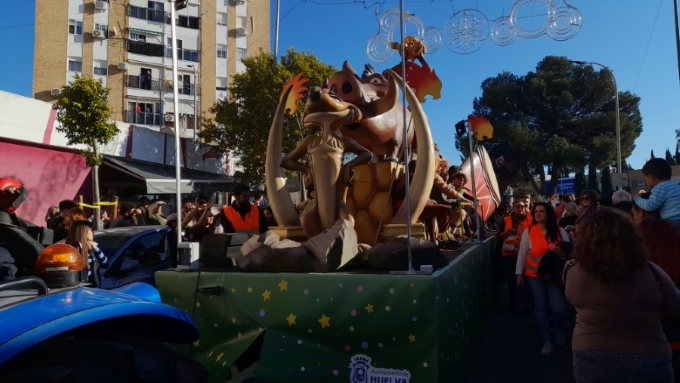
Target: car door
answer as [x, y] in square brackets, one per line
[141, 259]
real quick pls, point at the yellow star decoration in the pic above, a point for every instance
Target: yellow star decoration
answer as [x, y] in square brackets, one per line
[291, 319]
[219, 357]
[197, 343]
[325, 321]
[283, 285]
[265, 294]
[369, 308]
[233, 290]
[412, 338]
[233, 320]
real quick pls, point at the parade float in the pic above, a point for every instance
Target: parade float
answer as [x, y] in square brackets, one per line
[299, 306]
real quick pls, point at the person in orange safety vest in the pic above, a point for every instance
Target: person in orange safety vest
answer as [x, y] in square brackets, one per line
[241, 216]
[545, 235]
[510, 232]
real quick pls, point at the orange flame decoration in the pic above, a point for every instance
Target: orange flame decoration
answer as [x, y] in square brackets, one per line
[481, 126]
[297, 83]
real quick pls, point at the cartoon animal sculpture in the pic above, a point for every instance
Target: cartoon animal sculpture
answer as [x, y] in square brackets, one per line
[325, 153]
[326, 111]
[381, 128]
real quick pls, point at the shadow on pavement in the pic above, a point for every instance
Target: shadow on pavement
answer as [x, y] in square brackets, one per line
[510, 351]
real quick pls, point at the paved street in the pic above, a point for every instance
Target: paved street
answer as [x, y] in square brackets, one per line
[510, 352]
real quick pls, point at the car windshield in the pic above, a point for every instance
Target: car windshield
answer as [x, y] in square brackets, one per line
[110, 243]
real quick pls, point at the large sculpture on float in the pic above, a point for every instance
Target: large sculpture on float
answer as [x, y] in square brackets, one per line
[367, 113]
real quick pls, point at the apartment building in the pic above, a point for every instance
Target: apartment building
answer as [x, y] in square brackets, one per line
[127, 44]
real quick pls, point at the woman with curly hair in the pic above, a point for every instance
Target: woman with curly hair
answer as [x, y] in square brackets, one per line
[618, 297]
[542, 237]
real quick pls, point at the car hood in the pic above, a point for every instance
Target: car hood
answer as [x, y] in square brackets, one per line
[31, 322]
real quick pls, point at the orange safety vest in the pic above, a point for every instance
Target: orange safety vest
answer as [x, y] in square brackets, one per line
[251, 225]
[509, 248]
[539, 246]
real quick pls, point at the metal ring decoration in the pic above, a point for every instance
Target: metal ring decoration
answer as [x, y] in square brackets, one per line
[378, 48]
[393, 31]
[466, 31]
[514, 16]
[433, 38]
[567, 23]
[502, 31]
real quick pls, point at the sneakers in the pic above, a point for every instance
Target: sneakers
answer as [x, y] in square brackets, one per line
[547, 348]
[559, 338]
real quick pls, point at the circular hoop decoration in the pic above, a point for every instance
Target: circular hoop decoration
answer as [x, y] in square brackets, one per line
[532, 33]
[378, 48]
[389, 19]
[433, 38]
[567, 24]
[502, 32]
[466, 31]
[409, 20]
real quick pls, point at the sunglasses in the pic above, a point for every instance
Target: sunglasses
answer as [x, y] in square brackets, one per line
[585, 198]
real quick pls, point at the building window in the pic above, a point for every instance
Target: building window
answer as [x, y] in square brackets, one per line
[103, 28]
[156, 5]
[242, 22]
[241, 53]
[75, 66]
[221, 51]
[101, 71]
[222, 19]
[75, 27]
[221, 84]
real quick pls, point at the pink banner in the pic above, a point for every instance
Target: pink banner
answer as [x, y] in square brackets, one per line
[49, 175]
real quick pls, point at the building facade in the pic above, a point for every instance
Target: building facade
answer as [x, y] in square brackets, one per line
[127, 44]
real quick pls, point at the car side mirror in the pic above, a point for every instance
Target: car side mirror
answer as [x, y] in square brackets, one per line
[129, 264]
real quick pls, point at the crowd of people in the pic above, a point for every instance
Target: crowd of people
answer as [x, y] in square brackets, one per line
[616, 261]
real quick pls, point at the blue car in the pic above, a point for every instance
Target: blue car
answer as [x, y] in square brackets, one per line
[135, 253]
[82, 334]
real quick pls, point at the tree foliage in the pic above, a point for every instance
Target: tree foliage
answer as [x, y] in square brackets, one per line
[669, 157]
[242, 121]
[85, 117]
[592, 178]
[580, 183]
[606, 182]
[558, 119]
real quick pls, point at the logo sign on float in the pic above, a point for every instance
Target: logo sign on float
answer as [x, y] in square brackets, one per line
[363, 372]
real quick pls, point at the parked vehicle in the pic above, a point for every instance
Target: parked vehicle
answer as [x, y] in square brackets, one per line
[135, 253]
[83, 334]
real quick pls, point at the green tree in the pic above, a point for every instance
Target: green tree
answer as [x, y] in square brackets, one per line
[677, 154]
[606, 182]
[669, 157]
[580, 183]
[558, 119]
[85, 118]
[242, 121]
[592, 178]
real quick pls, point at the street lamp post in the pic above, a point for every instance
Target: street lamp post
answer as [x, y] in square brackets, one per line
[174, 6]
[619, 169]
[195, 92]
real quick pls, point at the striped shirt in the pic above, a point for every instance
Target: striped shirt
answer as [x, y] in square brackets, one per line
[103, 262]
[665, 197]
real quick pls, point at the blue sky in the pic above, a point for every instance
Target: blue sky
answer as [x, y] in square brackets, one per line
[635, 39]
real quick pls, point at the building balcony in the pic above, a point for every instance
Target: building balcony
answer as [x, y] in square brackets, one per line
[141, 82]
[146, 49]
[147, 14]
[143, 118]
[184, 54]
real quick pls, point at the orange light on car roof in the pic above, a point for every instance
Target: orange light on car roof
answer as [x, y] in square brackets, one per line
[59, 258]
